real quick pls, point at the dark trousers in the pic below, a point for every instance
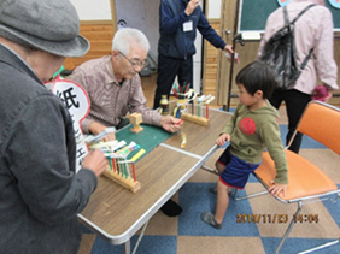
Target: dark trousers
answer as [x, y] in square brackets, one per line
[168, 69]
[296, 103]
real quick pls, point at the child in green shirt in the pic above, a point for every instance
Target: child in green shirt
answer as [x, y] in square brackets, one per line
[252, 128]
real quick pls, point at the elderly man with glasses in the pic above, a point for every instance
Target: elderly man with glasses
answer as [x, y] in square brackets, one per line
[114, 89]
[114, 86]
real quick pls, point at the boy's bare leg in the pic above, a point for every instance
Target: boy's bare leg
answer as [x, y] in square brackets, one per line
[219, 167]
[222, 202]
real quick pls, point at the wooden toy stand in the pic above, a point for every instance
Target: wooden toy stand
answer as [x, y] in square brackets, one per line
[119, 169]
[127, 183]
[195, 119]
[202, 101]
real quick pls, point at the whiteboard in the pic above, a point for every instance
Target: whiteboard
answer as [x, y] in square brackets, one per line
[93, 9]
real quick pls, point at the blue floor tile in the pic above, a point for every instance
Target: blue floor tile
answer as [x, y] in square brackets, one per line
[148, 245]
[196, 198]
[296, 245]
[334, 208]
[85, 230]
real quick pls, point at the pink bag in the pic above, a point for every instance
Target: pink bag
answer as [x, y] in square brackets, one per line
[320, 93]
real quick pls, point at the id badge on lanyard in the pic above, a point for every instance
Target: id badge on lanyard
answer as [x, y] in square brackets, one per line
[187, 26]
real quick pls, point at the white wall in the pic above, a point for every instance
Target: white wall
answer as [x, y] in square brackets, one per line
[143, 16]
[152, 25]
[93, 10]
[215, 8]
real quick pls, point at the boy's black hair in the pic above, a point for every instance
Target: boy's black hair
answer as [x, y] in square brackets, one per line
[257, 76]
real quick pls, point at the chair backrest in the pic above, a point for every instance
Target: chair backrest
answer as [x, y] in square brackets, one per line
[321, 122]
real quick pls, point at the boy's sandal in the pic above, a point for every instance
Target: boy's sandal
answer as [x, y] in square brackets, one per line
[210, 219]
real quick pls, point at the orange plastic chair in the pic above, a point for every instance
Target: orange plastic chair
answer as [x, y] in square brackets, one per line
[307, 183]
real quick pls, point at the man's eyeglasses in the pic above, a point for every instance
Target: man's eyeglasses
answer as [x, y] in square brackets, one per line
[135, 62]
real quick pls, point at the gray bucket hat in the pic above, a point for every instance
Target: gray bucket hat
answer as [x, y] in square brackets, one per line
[49, 25]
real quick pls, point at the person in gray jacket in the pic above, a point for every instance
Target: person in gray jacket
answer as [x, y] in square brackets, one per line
[40, 192]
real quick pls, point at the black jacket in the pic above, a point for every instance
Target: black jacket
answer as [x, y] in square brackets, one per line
[40, 194]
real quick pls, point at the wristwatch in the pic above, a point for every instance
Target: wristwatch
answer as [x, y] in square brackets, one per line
[185, 11]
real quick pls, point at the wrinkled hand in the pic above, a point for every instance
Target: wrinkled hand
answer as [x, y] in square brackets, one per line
[171, 124]
[111, 136]
[95, 161]
[222, 139]
[229, 49]
[191, 6]
[97, 128]
[276, 188]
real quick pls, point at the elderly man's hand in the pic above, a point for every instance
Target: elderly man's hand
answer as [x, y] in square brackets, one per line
[171, 124]
[97, 128]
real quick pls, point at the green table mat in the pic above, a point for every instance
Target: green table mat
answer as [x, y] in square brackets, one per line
[147, 139]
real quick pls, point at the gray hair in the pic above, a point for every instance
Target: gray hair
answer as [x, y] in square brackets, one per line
[128, 37]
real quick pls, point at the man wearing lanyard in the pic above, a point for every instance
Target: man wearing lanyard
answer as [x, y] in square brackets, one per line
[178, 22]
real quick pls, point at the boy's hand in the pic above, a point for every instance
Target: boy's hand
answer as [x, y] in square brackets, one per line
[221, 139]
[276, 188]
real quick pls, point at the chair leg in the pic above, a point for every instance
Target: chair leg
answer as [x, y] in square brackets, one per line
[329, 244]
[239, 198]
[290, 227]
[325, 245]
[209, 169]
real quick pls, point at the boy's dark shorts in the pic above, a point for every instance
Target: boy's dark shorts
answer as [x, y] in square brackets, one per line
[236, 171]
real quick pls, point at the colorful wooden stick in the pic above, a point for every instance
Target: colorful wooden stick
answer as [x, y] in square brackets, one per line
[184, 140]
[207, 111]
[109, 158]
[113, 161]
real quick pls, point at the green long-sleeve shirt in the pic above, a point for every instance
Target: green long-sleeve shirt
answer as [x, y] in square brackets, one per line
[253, 130]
